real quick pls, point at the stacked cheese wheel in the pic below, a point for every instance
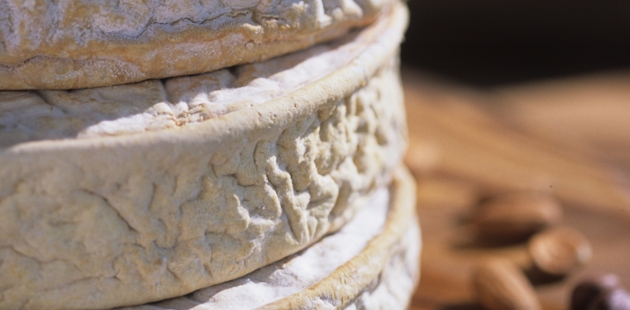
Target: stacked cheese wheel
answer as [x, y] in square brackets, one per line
[139, 170]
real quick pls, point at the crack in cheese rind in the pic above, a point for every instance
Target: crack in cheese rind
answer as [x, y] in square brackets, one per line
[79, 43]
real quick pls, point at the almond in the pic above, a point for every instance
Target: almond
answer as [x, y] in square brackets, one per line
[500, 285]
[560, 251]
[515, 217]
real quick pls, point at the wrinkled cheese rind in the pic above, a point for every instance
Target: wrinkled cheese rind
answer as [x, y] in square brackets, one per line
[112, 221]
[393, 255]
[293, 273]
[390, 287]
[82, 43]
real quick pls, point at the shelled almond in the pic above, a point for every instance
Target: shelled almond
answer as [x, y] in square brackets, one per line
[560, 251]
[501, 285]
[551, 251]
[516, 216]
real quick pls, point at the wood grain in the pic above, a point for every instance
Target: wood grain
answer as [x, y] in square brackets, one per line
[467, 144]
[592, 112]
[470, 144]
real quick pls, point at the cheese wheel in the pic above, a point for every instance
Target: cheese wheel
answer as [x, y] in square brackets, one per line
[374, 259]
[69, 44]
[131, 209]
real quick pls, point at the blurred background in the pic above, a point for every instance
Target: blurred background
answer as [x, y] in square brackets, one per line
[517, 96]
[488, 43]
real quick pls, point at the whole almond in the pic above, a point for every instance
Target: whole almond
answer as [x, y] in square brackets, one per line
[560, 251]
[516, 216]
[500, 285]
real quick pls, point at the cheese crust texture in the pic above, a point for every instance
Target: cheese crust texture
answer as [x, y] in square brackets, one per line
[103, 221]
[374, 259]
[70, 44]
[384, 274]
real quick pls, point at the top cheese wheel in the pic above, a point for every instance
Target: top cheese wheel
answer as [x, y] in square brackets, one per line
[70, 44]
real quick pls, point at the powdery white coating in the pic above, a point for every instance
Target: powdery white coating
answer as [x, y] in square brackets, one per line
[192, 217]
[113, 221]
[160, 104]
[349, 283]
[84, 43]
[260, 204]
[383, 275]
[294, 273]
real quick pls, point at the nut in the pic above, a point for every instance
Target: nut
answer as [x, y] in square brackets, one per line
[501, 285]
[515, 217]
[560, 251]
[587, 291]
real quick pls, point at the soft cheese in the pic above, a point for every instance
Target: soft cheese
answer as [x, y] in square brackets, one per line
[171, 103]
[390, 287]
[82, 43]
[132, 217]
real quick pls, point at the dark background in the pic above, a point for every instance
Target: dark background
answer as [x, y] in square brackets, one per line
[490, 43]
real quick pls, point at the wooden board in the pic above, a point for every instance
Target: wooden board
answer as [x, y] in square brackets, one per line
[466, 144]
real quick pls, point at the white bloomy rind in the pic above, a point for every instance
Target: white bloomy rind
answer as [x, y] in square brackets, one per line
[105, 221]
[175, 102]
[386, 286]
[70, 44]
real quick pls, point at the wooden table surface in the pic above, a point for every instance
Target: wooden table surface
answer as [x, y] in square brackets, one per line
[569, 137]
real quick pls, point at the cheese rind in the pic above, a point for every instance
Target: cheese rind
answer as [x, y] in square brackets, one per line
[177, 102]
[369, 280]
[357, 243]
[80, 43]
[111, 221]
